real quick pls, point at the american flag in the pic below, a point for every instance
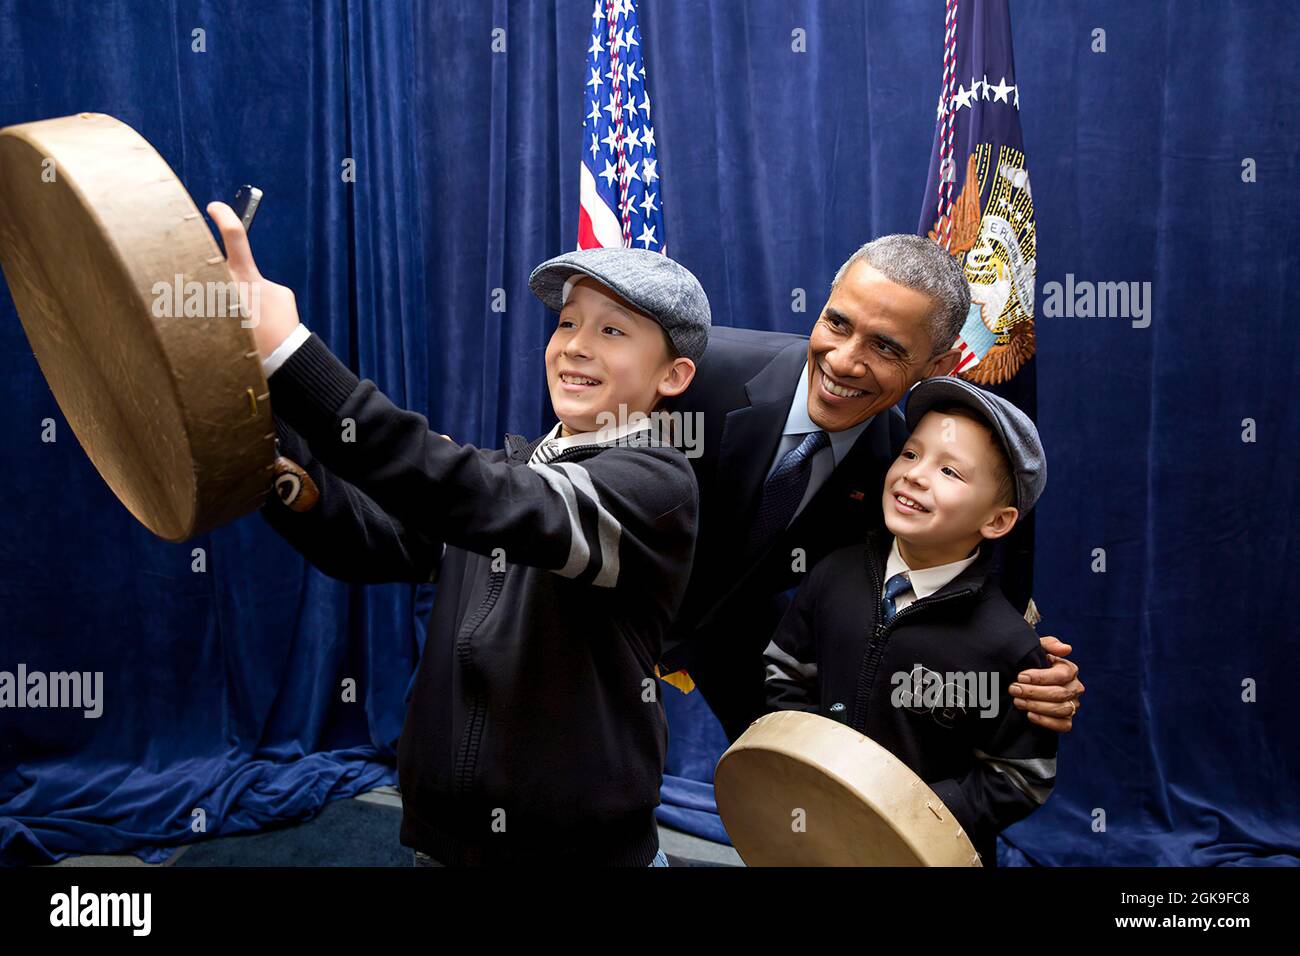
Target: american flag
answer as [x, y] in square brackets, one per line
[621, 203]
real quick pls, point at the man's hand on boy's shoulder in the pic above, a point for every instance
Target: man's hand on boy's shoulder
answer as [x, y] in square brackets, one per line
[1050, 694]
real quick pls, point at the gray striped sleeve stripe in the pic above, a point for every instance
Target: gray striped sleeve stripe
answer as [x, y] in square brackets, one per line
[781, 666]
[1032, 776]
[609, 531]
[579, 552]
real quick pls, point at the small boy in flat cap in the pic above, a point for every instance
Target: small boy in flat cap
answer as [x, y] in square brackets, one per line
[535, 734]
[905, 638]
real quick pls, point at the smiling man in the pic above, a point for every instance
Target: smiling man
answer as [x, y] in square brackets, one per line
[799, 434]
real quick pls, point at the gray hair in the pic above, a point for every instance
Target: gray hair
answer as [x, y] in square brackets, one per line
[925, 266]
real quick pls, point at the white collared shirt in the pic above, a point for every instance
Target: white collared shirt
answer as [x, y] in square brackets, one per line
[553, 444]
[797, 425]
[925, 581]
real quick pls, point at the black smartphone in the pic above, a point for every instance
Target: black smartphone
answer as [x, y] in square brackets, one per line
[247, 199]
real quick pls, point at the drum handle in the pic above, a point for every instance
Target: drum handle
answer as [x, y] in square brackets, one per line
[293, 486]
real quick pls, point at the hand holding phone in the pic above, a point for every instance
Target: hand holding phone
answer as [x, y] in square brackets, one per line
[247, 199]
[273, 309]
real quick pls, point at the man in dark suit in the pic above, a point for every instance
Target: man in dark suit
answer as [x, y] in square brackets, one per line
[798, 433]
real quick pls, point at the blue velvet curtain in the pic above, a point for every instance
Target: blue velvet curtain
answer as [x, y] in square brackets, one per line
[223, 690]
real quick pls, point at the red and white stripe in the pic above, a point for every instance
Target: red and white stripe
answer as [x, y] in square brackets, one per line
[598, 227]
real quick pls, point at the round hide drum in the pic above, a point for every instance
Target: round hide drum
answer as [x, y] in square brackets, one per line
[135, 322]
[797, 789]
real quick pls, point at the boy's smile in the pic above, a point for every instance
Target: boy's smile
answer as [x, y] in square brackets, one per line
[907, 505]
[577, 383]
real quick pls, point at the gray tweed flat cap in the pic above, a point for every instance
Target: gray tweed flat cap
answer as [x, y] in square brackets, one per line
[658, 286]
[1010, 425]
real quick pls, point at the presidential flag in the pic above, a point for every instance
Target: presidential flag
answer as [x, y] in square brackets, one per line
[621, 204]
[979, 206]
[978, 203]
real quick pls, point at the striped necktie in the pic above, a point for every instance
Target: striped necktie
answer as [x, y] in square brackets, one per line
[785, 488]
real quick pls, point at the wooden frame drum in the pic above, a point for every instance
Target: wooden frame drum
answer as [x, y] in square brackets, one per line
[798, 789]
[100, 244]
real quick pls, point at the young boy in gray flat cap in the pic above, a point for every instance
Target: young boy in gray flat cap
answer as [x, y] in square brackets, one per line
[904, 638]
[535, 734]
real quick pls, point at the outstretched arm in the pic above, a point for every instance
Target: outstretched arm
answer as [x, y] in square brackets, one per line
[346, 534]
[626, 515]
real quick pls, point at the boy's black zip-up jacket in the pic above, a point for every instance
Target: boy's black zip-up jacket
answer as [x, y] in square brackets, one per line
[534, 732]
[988, 763]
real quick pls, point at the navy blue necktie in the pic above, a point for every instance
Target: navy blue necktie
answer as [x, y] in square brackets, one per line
[893, 588]
[785, 488]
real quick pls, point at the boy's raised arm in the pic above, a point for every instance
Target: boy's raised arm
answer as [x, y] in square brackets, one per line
[623, 511]
[346, 534]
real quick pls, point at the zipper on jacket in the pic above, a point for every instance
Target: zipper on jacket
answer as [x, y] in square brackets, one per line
[880, 637]
[467, 757]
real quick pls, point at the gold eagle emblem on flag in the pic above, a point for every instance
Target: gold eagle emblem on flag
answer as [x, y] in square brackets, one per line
[995, 243]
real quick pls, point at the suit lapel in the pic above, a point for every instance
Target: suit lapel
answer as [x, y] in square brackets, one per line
[750, 436]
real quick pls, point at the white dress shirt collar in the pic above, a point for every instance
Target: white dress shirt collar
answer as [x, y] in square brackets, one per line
[553, 444]
[927, 580]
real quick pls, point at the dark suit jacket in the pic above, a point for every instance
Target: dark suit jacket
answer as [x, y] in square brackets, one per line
[743, 389]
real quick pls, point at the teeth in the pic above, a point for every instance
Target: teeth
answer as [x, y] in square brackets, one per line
[578, 380]
[910, 503]
[840, 390]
